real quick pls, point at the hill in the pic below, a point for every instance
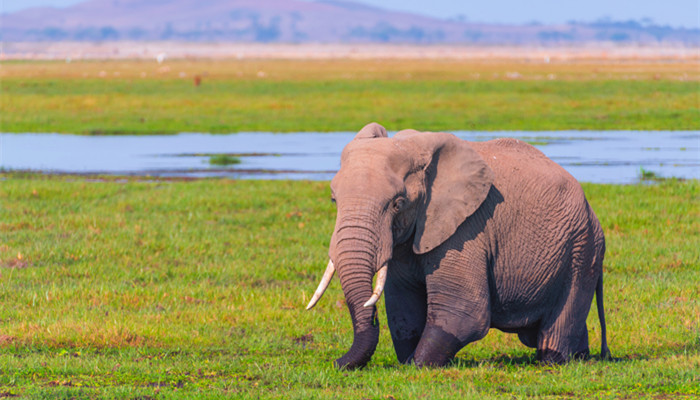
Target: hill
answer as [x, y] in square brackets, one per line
[297, 21]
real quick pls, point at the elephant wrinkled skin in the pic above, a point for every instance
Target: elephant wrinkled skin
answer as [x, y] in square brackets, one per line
[473, 236]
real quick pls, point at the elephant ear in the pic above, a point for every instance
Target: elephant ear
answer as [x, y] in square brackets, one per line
[370, 131]
[457, 182]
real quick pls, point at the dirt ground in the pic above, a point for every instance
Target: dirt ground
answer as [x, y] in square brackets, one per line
[164, 50]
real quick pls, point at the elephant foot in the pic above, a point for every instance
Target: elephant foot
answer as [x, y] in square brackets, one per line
[343, 364]
[582, 355]
[405, 349]
[549, 356]
[436, 348]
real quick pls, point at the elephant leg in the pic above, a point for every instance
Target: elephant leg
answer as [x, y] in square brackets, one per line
[565, 335]
[528, 337]
[405, 310]
[558, 349]
[458, 308]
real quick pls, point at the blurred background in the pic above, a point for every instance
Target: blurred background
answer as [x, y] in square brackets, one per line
[375, 21]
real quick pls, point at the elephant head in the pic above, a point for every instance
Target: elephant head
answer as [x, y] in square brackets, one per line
[415, 187]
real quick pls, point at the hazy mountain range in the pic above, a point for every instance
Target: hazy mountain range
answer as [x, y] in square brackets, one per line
[295, 21]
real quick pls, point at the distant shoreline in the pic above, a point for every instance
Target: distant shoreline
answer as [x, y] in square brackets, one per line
[192, 50]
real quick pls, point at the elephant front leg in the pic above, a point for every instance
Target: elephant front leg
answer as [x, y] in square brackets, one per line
[440, 342]
[436, 347]
[458, 311]
[406, 309]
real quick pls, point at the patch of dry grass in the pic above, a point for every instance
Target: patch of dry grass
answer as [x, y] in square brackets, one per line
[347, 69]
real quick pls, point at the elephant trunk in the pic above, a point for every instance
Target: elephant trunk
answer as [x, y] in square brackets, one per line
[356, 263]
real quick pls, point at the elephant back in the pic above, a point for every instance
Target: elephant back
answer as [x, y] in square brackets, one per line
[534, 188]
[521, 166]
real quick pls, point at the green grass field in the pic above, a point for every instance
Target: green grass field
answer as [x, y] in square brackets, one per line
[115, 288]
[142, 97]
[125, 288]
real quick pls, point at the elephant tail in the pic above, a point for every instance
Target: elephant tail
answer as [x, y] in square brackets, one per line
[604, 350]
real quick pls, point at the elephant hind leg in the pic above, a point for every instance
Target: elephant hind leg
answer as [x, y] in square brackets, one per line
[406, 310]
[555, 353]
[528, 336]
[406, 319]
[565, 335]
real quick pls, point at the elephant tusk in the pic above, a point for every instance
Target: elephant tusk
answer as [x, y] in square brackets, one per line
[378, 287]
[323, 285]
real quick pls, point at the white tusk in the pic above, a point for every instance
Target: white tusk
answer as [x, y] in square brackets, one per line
[323, 285]
[378, 287]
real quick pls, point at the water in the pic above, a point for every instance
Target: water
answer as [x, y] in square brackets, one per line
[602, 157]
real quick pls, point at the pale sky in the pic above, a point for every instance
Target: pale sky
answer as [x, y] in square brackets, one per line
[678, 13]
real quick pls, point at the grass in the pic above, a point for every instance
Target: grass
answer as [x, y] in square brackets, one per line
[650, 176]
[142, 97]
[141, 289]
[120, 288]
[223, 160]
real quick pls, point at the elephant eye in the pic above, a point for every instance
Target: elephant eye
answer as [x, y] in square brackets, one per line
[399, 203]
[333, 200]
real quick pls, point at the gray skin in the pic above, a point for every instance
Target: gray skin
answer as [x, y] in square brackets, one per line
[475, 236]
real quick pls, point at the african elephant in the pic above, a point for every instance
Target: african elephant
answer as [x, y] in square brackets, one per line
[463, 237]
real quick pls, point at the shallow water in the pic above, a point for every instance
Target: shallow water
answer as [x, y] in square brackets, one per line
[590, 156]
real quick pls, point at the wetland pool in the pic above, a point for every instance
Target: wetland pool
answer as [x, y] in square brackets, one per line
[590, 156]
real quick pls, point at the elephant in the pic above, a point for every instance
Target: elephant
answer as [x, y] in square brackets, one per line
[462, 237]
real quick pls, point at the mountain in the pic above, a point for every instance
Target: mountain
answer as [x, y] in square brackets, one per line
[297, 21]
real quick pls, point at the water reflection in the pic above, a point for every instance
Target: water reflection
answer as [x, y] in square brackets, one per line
[604, 157]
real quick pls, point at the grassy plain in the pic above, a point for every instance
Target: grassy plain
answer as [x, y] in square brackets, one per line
[121, 288]
[143, 97]
[117, 288]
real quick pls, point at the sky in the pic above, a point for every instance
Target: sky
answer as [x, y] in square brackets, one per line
[677, 13]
